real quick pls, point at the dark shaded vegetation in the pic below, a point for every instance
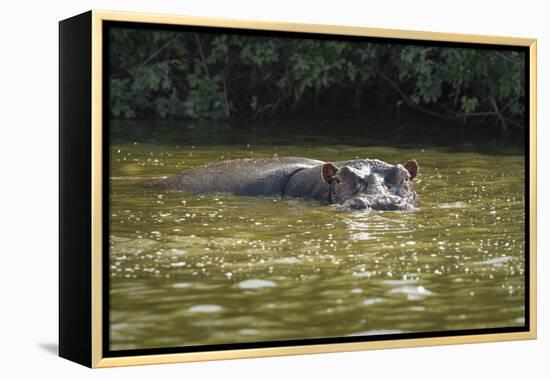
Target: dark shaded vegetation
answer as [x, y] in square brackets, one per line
[173, 75]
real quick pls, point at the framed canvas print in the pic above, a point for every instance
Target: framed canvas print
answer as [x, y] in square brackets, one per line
[235, 189]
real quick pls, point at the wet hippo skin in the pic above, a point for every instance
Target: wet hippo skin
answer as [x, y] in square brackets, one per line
[354, 184]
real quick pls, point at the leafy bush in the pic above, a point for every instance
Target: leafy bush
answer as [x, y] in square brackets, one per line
[172, 75]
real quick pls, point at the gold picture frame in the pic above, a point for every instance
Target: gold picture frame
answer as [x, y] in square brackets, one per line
[76, 271]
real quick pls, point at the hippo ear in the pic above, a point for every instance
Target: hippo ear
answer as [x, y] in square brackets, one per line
[328, 172]
[412, 167]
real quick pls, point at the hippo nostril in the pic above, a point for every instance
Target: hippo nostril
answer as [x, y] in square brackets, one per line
[356, 204]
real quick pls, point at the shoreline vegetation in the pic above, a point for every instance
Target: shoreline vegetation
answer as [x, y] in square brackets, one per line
[185, 75]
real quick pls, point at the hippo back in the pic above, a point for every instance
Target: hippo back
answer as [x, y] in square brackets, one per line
[249, 177]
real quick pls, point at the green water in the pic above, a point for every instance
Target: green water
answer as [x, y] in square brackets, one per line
[188, 269]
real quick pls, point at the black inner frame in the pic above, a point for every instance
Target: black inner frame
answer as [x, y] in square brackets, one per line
[107, 352]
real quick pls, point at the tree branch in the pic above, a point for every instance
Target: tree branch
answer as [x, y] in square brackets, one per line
[161, 49]
[408, 101]
[497, 112]
[201, 53]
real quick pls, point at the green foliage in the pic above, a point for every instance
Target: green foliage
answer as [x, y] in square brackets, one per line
[469, 104]
[174, 75]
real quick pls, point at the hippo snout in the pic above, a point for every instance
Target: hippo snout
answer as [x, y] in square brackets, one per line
[356, 203]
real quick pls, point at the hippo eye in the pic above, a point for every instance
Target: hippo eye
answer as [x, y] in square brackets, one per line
[337, 180]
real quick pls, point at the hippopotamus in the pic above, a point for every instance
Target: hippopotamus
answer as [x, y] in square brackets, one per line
[359, 184]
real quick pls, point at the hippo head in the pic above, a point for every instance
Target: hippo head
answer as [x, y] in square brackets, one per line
[361, 189]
